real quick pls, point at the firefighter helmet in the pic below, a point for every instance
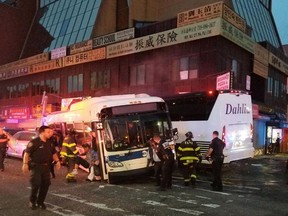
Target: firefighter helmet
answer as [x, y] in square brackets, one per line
[189, 135]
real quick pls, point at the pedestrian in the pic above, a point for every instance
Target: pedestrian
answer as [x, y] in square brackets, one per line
[69, 153]
[3, 148]
[90, 162]
[189, 156]
[152, 158]
[277, 144]
[39, 154]
[215, 153]
[166, 155]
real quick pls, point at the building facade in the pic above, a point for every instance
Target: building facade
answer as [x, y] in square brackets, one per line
[74, 49]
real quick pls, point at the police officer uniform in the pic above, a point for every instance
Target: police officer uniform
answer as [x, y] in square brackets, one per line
[189, 155]
[216, 148]
[166, 155]
[41, 154]
[3, 149]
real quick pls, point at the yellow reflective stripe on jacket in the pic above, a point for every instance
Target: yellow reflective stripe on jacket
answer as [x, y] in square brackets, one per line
[189, 158]
[69, 145]
[63, 153]
[75, 152]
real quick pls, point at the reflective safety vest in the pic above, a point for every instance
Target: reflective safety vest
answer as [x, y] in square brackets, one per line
[69, 148]
[188, 152]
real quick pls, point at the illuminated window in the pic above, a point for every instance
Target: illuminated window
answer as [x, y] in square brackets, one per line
[185, 68]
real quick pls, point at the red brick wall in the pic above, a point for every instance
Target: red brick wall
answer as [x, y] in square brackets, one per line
[14, 26]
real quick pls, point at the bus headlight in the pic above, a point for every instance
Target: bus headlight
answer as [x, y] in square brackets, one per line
[115, 164]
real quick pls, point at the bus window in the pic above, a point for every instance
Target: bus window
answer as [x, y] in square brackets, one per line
[156, 125]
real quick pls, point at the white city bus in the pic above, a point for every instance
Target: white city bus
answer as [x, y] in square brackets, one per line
[228, 112]
[123, 124]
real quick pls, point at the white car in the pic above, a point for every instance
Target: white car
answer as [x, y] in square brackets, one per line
[19, 142]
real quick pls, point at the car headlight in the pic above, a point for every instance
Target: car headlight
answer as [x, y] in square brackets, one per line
[115, 164]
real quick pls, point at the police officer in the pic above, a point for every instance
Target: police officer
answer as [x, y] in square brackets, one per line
[69, 153]
[40, 152]
[189, 154]
[166, 155]
[3, 148]
[215, 153]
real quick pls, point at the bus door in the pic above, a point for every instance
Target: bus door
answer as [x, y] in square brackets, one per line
[97, 127]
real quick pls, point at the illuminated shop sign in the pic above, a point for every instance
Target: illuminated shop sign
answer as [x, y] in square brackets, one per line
[223, 81]
[19, 113]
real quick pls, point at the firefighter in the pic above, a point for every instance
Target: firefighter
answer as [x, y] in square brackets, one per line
[189, 156]
[69, 154]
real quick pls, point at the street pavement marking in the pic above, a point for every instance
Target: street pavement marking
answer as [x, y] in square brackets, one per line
[188, 211]
[61, 211]
[211, 205]
[154, 203]
[217, 192]
[86, 202]
[202, 197]
[188, 201]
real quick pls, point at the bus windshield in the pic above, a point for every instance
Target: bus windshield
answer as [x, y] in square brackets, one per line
[134, 131]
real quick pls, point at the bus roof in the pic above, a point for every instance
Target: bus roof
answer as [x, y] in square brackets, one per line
[115, 100]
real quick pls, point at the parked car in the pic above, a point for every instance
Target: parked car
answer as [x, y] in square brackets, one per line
[12, 131]
[19, 142]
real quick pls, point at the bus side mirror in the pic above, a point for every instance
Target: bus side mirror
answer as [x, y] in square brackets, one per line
[175, 133]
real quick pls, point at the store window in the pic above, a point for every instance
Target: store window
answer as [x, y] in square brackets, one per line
[269, 85]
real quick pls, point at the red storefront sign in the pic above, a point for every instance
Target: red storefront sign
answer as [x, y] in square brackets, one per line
[19, 113]
[255, 111]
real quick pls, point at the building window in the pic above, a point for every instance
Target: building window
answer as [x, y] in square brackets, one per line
[38, 88]
[23, 90]
[188, 68]
[276, 88]
[75, 83]
[53, 86]
[137, 75]
[270, 85]
[100, 79]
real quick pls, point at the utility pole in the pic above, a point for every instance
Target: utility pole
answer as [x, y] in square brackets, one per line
[44, 105]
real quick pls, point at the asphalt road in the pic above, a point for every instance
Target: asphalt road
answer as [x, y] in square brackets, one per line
[251, 187]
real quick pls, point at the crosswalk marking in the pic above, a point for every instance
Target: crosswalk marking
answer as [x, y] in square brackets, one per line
[188, 211]
[96, 205]
[61, 211]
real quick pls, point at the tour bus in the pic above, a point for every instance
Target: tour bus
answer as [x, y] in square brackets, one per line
[124, 124]
[228, 112]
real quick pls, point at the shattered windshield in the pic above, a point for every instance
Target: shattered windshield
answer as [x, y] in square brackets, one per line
[131, 132]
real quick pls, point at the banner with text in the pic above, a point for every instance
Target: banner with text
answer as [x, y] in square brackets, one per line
[192, 32]
[236, 36]
[80, 47]
[200, 14]
[114, 37]
[84, 57]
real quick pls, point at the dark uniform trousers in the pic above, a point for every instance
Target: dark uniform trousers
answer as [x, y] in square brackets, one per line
[40, 181]
[217, 169]
[189, 172]
[158, 171]
[167, 169]
[2, 156]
